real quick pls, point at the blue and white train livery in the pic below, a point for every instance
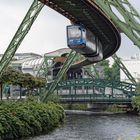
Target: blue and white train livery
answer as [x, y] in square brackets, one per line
[84, 42]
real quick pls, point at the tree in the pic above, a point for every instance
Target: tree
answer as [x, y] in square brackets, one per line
[11, 76]
[110, 73]
[115, 72]
[106, 69]
[138, 87]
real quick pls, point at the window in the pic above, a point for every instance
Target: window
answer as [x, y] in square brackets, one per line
[74, 32]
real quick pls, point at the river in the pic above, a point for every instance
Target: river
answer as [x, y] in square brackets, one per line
[95, 127]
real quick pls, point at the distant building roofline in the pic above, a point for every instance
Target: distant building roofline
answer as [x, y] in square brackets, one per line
[30, 53]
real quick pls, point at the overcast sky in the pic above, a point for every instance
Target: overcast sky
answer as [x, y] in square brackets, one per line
[48, 32]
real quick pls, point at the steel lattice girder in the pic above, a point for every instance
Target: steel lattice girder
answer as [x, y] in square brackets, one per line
[60, 74]
[20, 34]
[88, 84]
[124, 69]
[45, 67]
[92, 71]
[91, 98]
[129, 23]
[124, 86]
[117, 60]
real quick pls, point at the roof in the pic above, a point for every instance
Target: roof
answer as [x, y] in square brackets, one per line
[58, 52]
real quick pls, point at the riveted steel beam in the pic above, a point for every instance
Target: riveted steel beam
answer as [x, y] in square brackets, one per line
[124, 16]
[103, 83]
[60, 74]
[124, 69]
[45, 67]
[23, 29]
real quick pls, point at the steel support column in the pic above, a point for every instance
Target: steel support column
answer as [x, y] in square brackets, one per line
[45, 67]
[60, 74]
[20, 34]
[123, 68]
[129, 23]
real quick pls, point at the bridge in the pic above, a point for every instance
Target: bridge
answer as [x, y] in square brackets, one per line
[89, 90]
[98, 16]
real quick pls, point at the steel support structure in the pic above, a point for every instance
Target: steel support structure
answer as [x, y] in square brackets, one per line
[97, 90]
[92, 71]
[124, 69]
[99, 83]
[45, 67]
[23, 29]
[128, 23]
[60, 74]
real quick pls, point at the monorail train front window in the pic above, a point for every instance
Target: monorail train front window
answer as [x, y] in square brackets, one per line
[74, 32]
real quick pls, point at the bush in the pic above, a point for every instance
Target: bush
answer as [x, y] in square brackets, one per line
[29, 117]
[75, 106]
[114, 108]
[137, 138]
[136, 103]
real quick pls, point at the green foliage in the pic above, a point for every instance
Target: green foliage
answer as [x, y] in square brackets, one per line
[138, 88]
[115, 72]
[29, 117]
[75, 106]
[11, 76]
[137, 138]
[53, 98]
[104, 63]
[114, 108]
[136, 102]
[110, 73]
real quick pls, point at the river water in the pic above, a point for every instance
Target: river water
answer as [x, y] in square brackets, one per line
[96, 127]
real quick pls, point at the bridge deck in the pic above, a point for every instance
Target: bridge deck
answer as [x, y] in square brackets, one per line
[95, 90]
[94, 98]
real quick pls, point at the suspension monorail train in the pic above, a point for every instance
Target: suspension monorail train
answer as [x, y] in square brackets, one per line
[84, 42]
